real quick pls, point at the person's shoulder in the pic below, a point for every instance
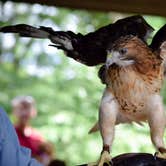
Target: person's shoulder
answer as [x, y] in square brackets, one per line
[3, 114]
[36, 134]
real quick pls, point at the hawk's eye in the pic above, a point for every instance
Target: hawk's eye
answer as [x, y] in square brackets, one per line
[123, 51]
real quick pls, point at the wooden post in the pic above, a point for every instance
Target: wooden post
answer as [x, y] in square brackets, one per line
[153, 7]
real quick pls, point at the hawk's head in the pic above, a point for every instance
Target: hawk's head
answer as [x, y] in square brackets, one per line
[127, 51]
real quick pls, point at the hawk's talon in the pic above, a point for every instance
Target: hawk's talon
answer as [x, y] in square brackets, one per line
[155, 155]
[160, 154]
[105, 158]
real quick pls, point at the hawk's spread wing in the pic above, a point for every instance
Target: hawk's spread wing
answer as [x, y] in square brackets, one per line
[158, 39]
[158, 45]
[90, 49]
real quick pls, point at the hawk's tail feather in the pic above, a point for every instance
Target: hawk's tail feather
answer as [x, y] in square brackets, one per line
[95, 128]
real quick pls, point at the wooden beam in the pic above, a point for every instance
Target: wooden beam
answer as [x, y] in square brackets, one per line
[154, 7]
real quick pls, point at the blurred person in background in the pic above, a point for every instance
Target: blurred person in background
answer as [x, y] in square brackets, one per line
[24, 110]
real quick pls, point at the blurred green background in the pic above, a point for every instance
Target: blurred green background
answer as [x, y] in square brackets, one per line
[67, 93]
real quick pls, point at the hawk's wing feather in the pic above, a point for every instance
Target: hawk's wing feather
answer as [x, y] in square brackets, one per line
[25, 30]
[89, 49]
[158, 45]
[158, 39]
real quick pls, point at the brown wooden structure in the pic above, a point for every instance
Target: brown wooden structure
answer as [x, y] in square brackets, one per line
[153, 7]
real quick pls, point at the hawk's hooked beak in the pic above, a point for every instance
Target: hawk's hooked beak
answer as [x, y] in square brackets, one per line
[110, 59]
[114, 57]
[109, 54]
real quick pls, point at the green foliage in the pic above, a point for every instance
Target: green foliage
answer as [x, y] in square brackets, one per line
[67, 93]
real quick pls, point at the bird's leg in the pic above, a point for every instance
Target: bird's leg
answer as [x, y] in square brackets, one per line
[105, 156]
[107, 119]
[157, 122]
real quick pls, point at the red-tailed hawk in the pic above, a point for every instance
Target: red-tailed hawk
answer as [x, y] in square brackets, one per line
[133, 75]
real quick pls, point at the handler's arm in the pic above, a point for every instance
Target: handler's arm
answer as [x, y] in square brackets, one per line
[11, 153]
